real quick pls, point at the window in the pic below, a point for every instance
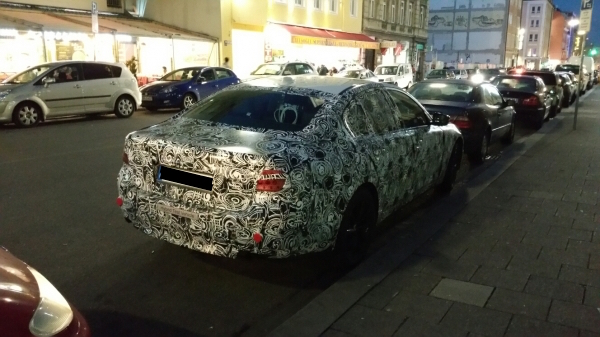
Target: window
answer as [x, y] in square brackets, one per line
[408, 112]
[377, 108]
[422, 17]
[317, 4]
[401, 16]
[409, 19]
[537, 23]
[535, 37]
[333, 6]
[383, 11]
[372, 8]
[353, 7]
[208, 74]
[532, 23]
[222, 73]
[530, 37]
[533, 10]
[68, 73]
[299, 2]
[538, 9]
[496, 99]
[357, 120]
[534, 53]
[393, 11]
[113, 3]
[529, 52]
[116, 71]
[95, 71]
[281, 1]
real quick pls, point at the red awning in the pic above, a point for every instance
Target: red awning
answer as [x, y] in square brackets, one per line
[326, 37]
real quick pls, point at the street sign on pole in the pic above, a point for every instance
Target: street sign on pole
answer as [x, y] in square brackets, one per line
[94, 18]
[585, 23]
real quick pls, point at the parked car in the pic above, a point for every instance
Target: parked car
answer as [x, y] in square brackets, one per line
[282, 69]
[574, 84]
[441, 74]
[68, 88]
[569, 89]
[284, 166]
[553, 87]
[5, 75]
[478, 110]
[399, 74]
[461, 74]
[574, 68]
[31, 306]
[490, 74]
[362, 74]
[596, 74]
[182, 88]
[529, 95]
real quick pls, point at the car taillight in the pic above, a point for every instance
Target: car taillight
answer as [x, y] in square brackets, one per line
[533, 100]
[270, 181]
[125, 158]
[461, 122]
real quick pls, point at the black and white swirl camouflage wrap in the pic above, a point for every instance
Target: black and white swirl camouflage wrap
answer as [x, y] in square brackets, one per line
[324, 164]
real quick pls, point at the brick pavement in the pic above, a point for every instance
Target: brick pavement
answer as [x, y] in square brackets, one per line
[522, 258]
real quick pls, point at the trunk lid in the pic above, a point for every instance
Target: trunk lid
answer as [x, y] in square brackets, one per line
[445, 107]
[184, 160]
[516, 96]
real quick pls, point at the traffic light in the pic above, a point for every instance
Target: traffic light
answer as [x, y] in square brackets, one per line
[593, 51]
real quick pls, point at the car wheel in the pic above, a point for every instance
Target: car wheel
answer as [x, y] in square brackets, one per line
[482, 150]
[27, 114]
[510, 136]
[451, 170]
[124, 107]
[188, 101]
[353, 236]
[553, 110]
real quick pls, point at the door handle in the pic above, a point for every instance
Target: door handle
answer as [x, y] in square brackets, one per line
[77, 86]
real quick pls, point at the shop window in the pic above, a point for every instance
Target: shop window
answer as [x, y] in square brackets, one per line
[208, 74]
[222, 73]
[317, 4]
[353, 7]
[113, 3]
[333, 6]
[401, 16]
[95, 71]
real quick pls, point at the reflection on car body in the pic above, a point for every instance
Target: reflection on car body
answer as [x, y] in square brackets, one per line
[286, 163]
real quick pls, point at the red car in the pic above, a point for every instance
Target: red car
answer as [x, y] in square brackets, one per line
[30, 306]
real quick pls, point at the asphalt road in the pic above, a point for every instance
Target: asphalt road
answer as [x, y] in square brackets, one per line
[58, 213]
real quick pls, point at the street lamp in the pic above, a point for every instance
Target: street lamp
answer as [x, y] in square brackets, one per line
[573, 22]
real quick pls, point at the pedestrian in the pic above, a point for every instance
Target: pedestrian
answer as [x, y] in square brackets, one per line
[322, 70]
[226, 63]
[164, 70]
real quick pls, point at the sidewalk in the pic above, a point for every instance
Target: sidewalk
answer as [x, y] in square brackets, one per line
[514, 252]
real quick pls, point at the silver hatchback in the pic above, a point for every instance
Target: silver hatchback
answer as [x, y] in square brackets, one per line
[68, 88]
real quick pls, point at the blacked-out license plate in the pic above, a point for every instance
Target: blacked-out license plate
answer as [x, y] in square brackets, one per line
[184, 178]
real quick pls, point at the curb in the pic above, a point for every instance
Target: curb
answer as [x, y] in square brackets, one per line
[319, 314]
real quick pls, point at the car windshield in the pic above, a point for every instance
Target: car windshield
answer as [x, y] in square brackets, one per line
[568, 67]
[436, 91]
[261, 109]
[27, 76]
[437, 73]
[548, 78]
[268, 69]
[516, 83]
[350, 73]
[181, 74]
[386, 70]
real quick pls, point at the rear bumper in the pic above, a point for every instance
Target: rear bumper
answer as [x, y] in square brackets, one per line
[162, 101]
[528, 113]
[472, 140]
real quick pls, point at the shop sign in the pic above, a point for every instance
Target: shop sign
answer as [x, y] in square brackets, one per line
[389, 44]
[298, 39]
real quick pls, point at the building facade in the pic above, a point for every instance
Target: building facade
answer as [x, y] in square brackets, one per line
[558, 51]
[401, 28]
[485, 33]
[537, 19]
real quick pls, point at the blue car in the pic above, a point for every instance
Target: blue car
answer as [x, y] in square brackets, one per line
[184, 87]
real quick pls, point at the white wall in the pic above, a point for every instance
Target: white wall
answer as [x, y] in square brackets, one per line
[485, 40]
[202, 16]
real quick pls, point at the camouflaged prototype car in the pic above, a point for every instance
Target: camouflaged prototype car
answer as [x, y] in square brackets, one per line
[285, 166]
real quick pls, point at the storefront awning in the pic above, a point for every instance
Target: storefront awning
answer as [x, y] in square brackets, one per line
[82, 23]
[325, 37]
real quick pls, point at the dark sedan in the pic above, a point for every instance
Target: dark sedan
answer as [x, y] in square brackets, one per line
[574, 83]
[441, 74]
[569, 89]
[478, 110]
[31, 306]
[490, 74]
[182, 88]
[553, 87]
[529, 95]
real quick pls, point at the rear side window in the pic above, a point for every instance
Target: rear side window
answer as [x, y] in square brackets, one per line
[116, 71]
[222, 73]
[270, 110]
[94, 71]
[357, 120]
[549, 78]
[378, 109]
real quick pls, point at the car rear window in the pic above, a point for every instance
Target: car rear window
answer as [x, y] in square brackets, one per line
[548, 78]
[453, 92]
[262, 109]
[568, 67]
[517, 83]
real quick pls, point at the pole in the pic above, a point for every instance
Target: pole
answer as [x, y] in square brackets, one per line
[580, 77]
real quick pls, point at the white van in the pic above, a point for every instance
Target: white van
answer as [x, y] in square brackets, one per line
[400, 74]
[588, 64]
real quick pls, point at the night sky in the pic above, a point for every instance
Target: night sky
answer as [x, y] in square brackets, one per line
[575, 6]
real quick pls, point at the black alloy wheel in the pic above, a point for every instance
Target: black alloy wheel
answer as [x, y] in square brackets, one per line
[354, 234]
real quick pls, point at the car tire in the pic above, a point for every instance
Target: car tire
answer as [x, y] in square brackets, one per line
[353, 237]
[189, 99]
[509, 138]
[124, 107]
[27, 114]
[451, 170]
[480, 154]
[553, 111]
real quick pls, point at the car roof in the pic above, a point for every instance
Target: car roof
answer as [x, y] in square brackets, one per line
[58, 63]
[518, 75]
[453, 81]
[328, 84]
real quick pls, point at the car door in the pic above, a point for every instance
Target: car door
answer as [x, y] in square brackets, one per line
[225, 77]
[209, 84]
[64, 97]
[504, 112]
[99, 86]
[424, 141]
[491, 109]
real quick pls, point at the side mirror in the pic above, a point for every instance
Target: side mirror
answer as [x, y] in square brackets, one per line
[48, 80]
[440, 119]
[201, 79]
